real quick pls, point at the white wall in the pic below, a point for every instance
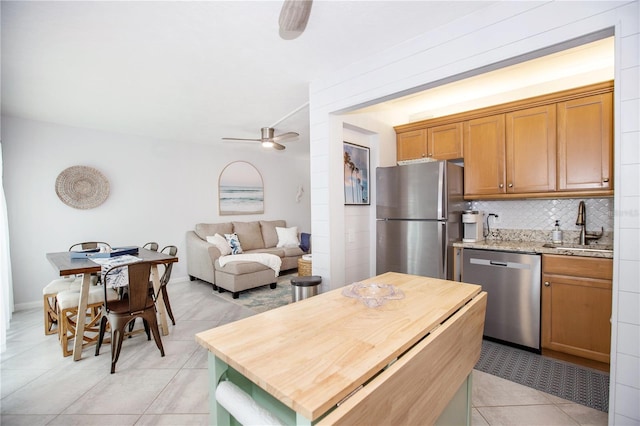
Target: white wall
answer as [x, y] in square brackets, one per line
[500, 32]
[375, 132]
[159, 190]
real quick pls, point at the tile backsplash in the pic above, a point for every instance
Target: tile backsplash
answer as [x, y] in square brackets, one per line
[541, 215]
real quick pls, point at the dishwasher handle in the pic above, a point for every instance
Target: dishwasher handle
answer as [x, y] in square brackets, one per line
[499, 263]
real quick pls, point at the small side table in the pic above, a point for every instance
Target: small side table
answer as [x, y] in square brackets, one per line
[304, 267]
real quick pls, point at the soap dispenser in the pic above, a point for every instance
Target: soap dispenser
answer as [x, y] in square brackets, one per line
[556, 235]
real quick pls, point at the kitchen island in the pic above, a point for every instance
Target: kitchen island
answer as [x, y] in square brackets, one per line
[330, 359]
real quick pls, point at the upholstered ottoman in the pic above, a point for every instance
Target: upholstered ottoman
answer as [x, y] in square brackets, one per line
[238, 276]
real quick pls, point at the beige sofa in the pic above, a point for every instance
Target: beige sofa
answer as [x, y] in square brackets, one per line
[255, 237]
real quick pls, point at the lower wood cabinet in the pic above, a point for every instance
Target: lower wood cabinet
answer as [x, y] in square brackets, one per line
[576, 306]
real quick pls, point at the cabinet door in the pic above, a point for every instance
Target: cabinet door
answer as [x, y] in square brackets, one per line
[445, 142]
[484, 156]
[585, 143]
[412, 145]
[576, 316]
[576, 306]
[531, 150]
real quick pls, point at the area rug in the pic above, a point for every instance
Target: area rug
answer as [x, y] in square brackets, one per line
[264, 298]
[581, 385]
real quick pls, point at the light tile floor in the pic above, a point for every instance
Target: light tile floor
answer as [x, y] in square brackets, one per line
[38, 386]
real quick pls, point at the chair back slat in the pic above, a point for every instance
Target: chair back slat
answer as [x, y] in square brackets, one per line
[86, 245]
[153, 246]
[138, 292]
[139, 274]
[171, 251]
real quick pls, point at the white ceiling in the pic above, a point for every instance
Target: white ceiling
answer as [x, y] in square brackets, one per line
[193, 71]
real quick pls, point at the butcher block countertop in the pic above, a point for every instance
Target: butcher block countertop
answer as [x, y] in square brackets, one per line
[312, 354]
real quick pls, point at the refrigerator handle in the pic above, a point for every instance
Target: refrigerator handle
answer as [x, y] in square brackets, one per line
[442, 190]
[442, 253]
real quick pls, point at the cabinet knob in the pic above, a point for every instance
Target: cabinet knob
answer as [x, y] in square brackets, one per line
[547, 283]
[423, 155]
[510, 185]
[605, 180]
[501, 186]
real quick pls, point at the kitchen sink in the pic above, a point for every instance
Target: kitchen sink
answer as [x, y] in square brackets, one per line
[602, 248]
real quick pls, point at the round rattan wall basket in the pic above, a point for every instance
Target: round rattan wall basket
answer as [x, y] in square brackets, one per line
[82, 187]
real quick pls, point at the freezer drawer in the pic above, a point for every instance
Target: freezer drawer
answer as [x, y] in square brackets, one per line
[512, 281]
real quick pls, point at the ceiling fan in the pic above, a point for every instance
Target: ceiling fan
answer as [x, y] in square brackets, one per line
[294, 16]
[268, 139]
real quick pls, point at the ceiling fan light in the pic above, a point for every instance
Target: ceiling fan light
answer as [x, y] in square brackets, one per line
[267, 144]
[293, 18]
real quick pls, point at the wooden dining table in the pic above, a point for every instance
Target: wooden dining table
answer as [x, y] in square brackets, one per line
[66, 266]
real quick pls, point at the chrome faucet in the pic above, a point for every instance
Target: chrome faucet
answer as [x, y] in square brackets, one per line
[581, 221]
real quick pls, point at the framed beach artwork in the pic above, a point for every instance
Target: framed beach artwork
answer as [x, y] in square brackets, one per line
[356, 174]
[240, 190]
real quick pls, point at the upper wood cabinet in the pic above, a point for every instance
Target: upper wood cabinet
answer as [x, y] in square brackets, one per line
[531, 150]
[555, 145]
[412, 145]
[439, 142]
[512, 153]
[585, 143]
[445, 142]
[484, 168]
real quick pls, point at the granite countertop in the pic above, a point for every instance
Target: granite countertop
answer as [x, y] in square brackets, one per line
[532, 243]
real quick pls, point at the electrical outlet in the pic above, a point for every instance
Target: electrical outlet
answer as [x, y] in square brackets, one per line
[494, 218]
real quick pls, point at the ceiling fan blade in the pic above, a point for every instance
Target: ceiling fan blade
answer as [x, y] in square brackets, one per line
[277, 146]
[294, 16]
[287, 135]
[241, 139]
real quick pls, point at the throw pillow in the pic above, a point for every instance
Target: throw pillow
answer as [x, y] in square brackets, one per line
[234, 243]
[305, 242]
[221, 244]
[287, 237]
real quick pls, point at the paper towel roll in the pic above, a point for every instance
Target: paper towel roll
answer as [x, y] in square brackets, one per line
[242, 407]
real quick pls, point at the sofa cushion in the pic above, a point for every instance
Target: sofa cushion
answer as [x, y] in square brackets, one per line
[269, 235]
[203, 230]
[249, 235]
[273, 250]
[239, 268]
[292, 251]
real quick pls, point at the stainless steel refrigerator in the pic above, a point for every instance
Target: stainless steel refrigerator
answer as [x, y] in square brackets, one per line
[419, 215]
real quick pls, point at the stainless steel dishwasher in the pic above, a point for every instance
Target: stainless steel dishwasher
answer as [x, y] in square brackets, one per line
[512, 281]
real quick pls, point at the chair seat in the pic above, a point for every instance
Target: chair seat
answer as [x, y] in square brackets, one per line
[49, 293]
[69, 298]
[57, 285]
[68, 283]
[118, 307]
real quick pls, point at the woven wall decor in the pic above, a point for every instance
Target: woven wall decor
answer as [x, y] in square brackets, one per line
[82, 187]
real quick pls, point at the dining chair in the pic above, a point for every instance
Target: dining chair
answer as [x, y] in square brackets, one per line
[51, 290]
[153, 246]
[137, 304]
[164, 280]
[67, 303]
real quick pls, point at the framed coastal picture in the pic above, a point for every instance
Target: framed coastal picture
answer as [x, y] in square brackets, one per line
[356, 174]
[240, 190]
